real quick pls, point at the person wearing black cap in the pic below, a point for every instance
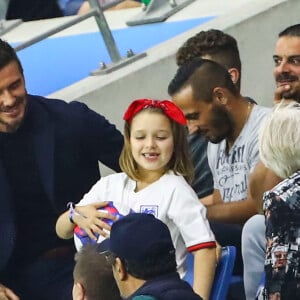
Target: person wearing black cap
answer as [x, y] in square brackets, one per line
[142, 254]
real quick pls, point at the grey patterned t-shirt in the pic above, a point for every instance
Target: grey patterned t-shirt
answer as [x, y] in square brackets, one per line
[231, 171]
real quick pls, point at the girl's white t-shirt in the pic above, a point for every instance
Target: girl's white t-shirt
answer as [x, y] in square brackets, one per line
[170, 199]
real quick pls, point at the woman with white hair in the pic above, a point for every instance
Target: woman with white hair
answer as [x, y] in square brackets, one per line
[279, 146]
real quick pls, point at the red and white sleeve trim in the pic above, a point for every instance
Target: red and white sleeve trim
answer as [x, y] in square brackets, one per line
[202, 246]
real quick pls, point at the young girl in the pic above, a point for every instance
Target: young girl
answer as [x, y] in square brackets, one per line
[156, 166]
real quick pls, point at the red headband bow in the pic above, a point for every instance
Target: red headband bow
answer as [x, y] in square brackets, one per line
[168, 107]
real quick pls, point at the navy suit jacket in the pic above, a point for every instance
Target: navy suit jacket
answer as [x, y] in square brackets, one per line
[69, 140]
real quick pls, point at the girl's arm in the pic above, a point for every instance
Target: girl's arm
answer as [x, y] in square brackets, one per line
[64, 227]
[87, 217]
[204, 271]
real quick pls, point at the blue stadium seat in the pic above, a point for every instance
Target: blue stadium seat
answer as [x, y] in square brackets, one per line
[222, 276]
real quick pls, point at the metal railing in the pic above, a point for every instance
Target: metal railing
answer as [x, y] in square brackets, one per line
[97, 12]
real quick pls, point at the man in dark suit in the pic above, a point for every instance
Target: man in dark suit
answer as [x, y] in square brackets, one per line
[49, 153]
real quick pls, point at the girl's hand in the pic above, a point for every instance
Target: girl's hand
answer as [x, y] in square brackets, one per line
[7, 294]
[90, 219]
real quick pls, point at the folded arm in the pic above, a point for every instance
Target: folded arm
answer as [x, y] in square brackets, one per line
[261, 180]
[232, 212]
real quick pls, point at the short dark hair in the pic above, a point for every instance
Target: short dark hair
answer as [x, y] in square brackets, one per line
[293, 30]
[8, 55]
[222, 48]
[95, 273]
[203, 75]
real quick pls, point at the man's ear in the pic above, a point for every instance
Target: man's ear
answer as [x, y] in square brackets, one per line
[120, 270]
[78, 291]
[234, 74]
[219, 94]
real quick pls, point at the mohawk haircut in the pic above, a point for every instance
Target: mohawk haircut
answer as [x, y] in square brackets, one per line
[203, 75]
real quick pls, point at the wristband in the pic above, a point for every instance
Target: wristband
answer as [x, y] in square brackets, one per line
[71, 211]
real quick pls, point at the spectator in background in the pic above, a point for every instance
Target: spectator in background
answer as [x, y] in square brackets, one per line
[79, 7]
[222, 48]
[287, 78]
[279, 144]
[29, 10]
[206, 94]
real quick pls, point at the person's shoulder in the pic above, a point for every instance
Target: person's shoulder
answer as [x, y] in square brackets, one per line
[59, 103]
[115, 179]
[182, 290]
[197, 142]
[174, 294]
[258, 114]
[144, 297]
[62, 111]
[56, 104]
[289, 187]
[262, 110]
[171, 178]
[175, 184]
[116, 176]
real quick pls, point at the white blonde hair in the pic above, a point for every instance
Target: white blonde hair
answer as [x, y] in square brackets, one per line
[279, 139]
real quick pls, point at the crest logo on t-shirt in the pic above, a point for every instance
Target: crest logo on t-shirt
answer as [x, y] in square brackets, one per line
[149, 209]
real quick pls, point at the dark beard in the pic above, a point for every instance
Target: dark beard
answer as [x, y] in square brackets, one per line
[222, 123]
[17, 123]
[291, 95]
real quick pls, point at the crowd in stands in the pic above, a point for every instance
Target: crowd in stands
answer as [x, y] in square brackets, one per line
[38, 9]
[79, 7]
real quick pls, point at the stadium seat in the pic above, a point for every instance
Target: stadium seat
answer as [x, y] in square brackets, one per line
[222, 276]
